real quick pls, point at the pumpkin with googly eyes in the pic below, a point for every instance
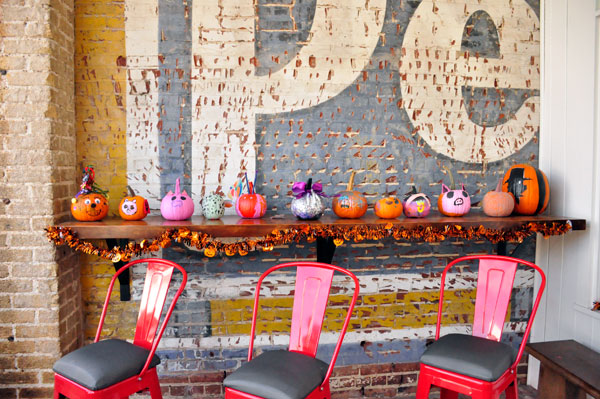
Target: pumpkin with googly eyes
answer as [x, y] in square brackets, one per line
[177, 205]
[133, 207]
[89, 207]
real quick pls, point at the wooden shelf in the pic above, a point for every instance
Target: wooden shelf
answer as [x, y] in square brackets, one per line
[233, 226]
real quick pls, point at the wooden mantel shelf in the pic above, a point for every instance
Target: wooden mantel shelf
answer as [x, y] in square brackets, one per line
[233, 226]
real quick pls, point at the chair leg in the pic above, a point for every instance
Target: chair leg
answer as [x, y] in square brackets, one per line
[423, 386]
[56, 394]
[154, 385]
[485, 395]
[448, 394]
[512, 391]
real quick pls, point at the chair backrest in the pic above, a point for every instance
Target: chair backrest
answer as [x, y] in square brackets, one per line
[154, 295]
[495, 281]
[313, 283]
[310, 300]
[494, 287]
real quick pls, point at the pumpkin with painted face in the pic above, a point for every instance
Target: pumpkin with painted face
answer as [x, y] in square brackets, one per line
[349, 204]
[416, 205]
[133, 207]
[453, 201]
[89, 207]
[177, 205]
[388, 208]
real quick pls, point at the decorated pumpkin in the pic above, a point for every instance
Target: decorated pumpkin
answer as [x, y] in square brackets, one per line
[416, 205]
[177, 205]
[497, 203]
[453, 201]
[89, 207]
[90, 203]
[251, 206]
[349, 204]
[307, 204]
[388, 208]
[133, 207]
[213, 206]
[530, 188]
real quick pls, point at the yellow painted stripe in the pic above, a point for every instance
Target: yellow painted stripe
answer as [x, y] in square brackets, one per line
[100, 83]
[389, 310]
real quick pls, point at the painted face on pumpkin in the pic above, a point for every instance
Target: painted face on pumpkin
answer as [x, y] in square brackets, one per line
[92, 206]
[344, 201]
[129, 207]
[178, 200]
[458, 196]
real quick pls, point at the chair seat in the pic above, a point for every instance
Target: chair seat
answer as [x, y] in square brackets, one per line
[278, 374]
[104, 363]
[475, 357]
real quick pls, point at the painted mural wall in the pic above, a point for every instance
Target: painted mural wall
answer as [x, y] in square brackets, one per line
[289, 89]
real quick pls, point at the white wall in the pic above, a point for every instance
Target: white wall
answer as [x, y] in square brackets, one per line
[569, 155]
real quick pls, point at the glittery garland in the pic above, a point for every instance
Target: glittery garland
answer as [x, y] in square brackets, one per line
[211, 246]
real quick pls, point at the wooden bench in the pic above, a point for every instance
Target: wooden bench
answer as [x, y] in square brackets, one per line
[568, 370]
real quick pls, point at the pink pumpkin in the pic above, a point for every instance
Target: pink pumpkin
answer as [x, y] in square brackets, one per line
[177, 206]
[454, 202]
[416, 205]
[251, 206]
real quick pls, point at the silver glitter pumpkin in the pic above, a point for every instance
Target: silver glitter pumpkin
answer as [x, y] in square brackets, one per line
[308, 204]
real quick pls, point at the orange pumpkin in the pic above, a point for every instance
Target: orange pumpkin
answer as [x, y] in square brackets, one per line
[89, 207]
[133, 207]
[497, 203]
[349, 204]
[388, 208]
[530, 188]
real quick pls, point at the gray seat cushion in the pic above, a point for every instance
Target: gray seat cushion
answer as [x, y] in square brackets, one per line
[472, 356]
[278, 374]
[104, 363]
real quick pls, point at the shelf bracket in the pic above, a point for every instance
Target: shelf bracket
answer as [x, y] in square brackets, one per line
[125, 277]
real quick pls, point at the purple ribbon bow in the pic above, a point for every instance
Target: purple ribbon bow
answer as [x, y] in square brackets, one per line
[300, 189]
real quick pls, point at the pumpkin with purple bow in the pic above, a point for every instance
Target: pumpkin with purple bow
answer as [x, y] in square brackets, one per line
[308, 203]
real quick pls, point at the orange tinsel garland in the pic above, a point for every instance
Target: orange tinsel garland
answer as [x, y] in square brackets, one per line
[212, 246]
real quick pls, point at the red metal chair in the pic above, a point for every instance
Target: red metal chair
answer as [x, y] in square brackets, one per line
[294, 373]
[114, 368]
[479, 365]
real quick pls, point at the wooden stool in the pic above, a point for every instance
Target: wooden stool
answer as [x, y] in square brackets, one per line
[568, 369]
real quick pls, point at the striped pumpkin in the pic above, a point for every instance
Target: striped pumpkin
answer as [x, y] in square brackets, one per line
[530, 187]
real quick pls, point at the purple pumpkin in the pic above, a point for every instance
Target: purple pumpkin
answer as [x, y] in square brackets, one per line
[177, 206]
[416, 205]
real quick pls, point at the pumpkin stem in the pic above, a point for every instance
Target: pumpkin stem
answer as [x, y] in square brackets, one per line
[177, 187]
[131, 192]
[351, 181]
[499, 185]
[309, 184]
[452, 185]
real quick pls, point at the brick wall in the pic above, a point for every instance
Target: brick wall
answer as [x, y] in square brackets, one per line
[40, 299]
[279, 89]
[284, 90]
